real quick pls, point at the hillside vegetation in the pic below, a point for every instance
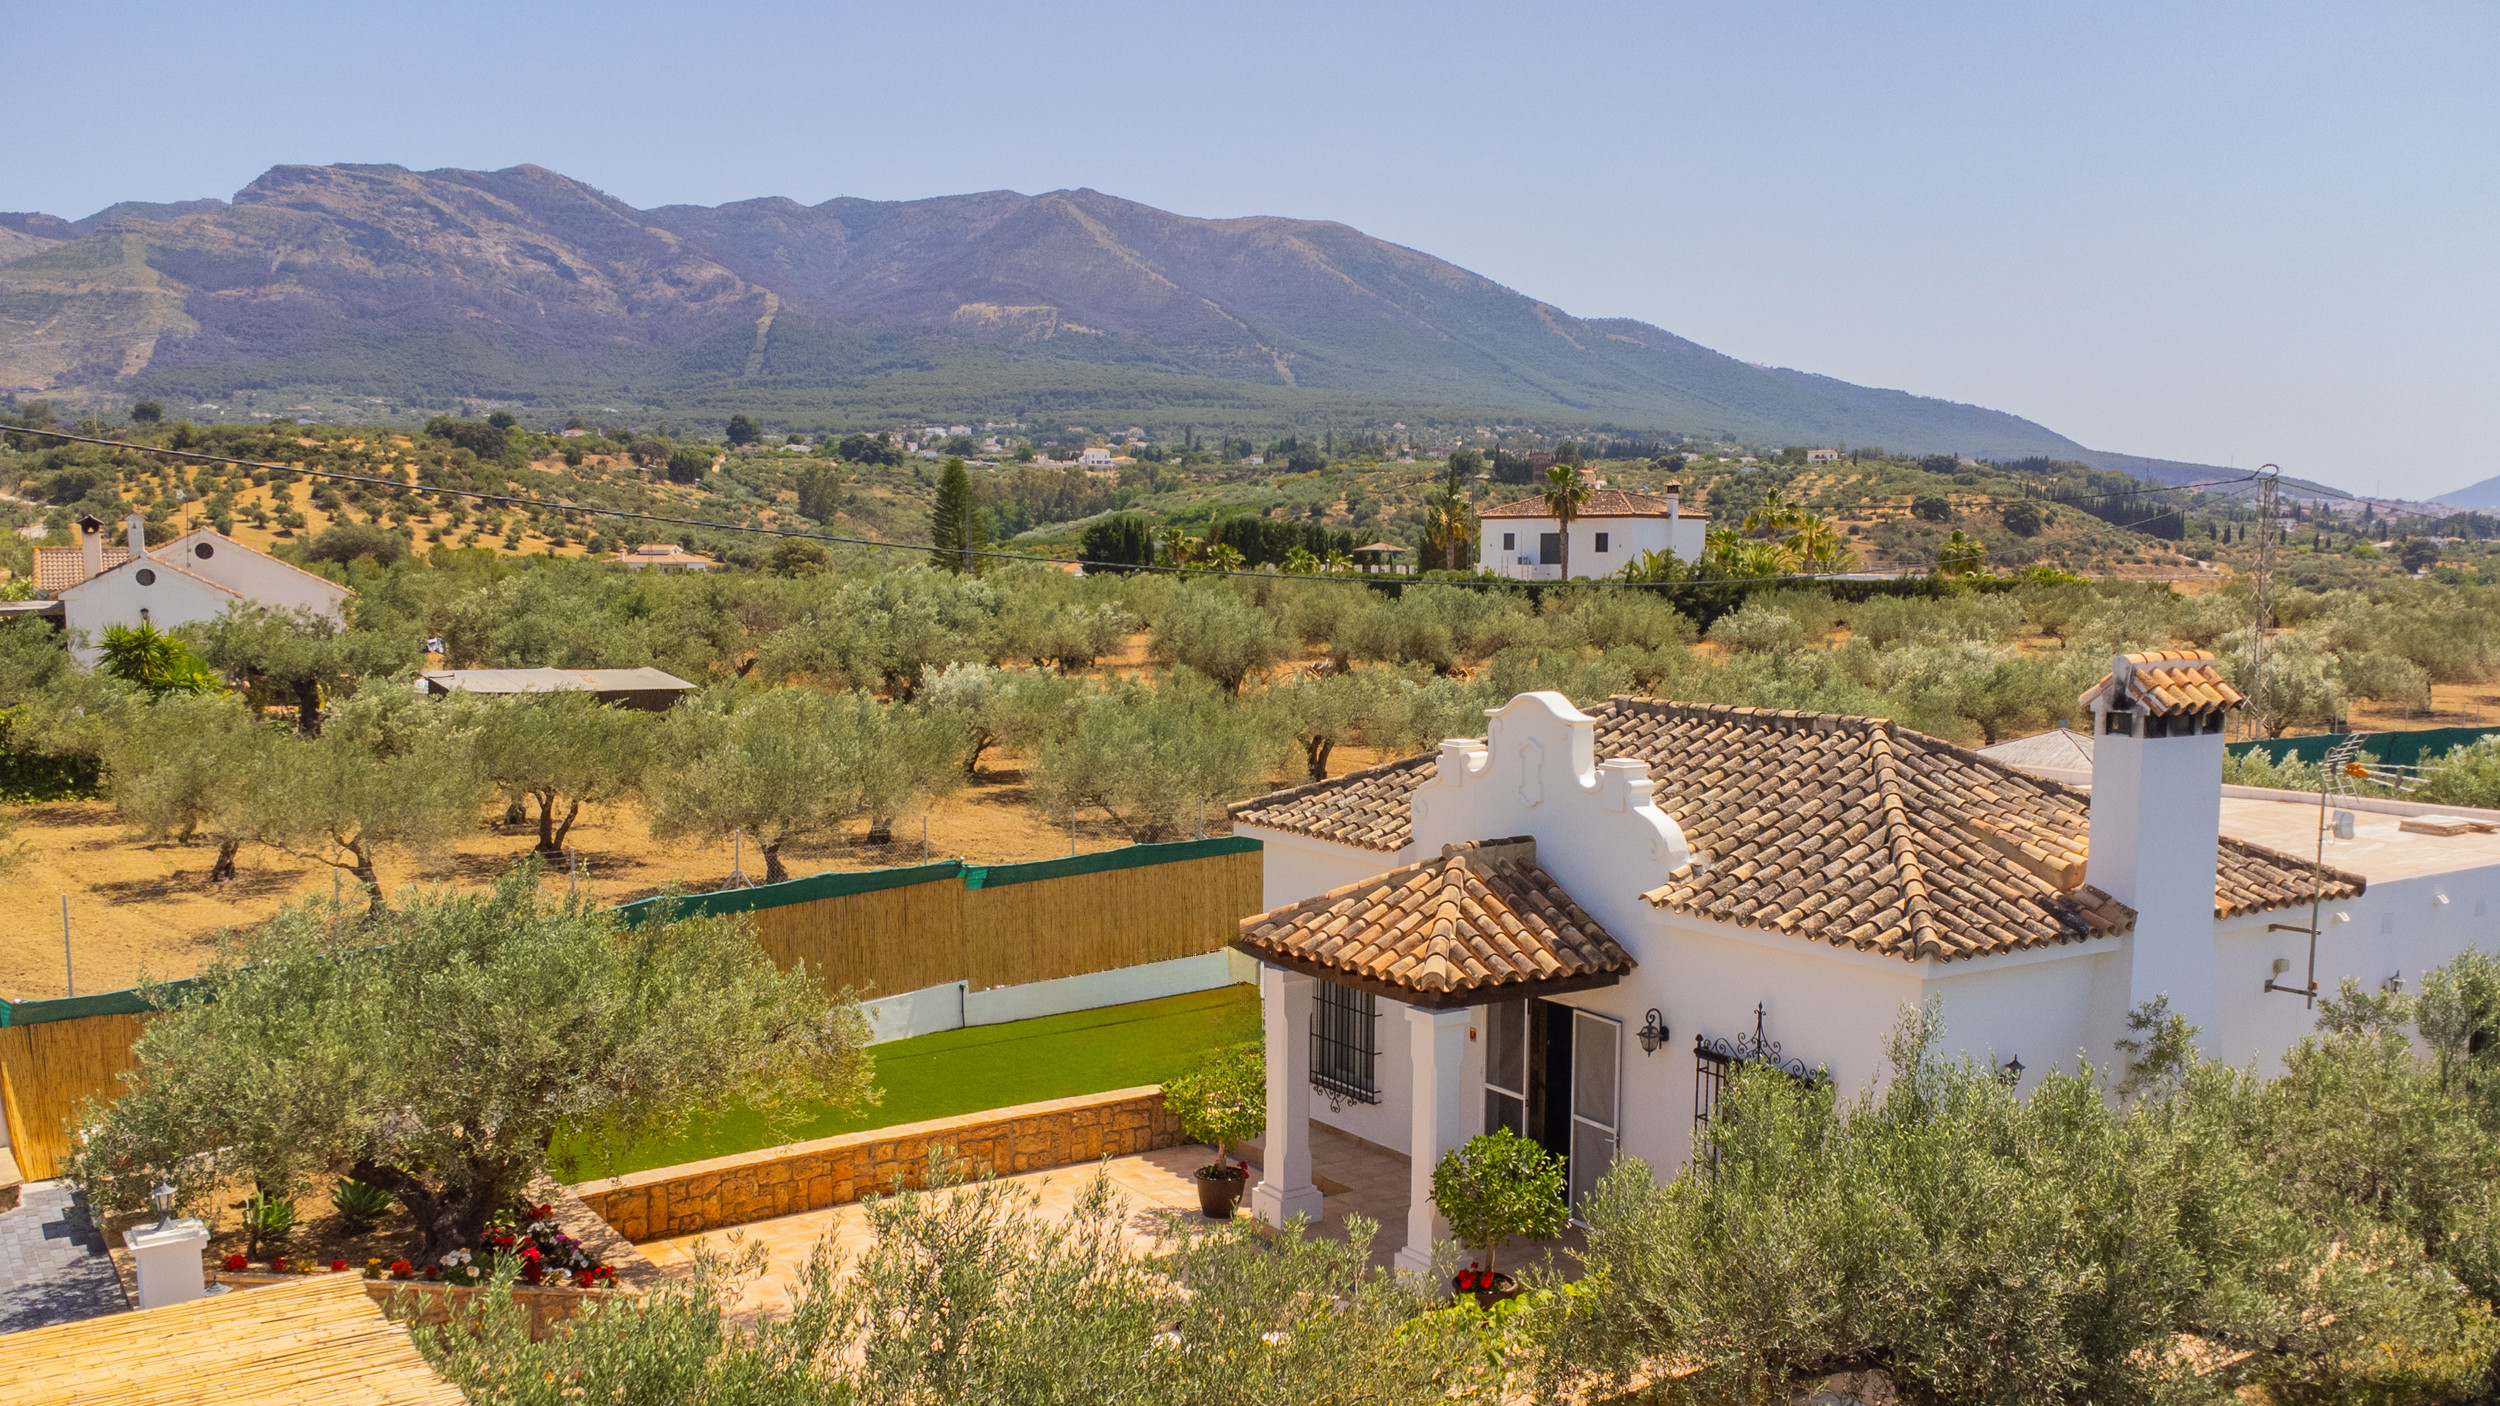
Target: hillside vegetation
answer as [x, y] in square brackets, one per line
[543, 292]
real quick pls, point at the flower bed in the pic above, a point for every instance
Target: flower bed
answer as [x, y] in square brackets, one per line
[547, 1257]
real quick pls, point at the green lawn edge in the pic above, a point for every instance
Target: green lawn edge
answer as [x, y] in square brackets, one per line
[972, 1070]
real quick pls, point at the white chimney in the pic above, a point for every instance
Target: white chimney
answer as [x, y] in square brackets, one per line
[137, 532]
[90, 547]
[2157, 818]
[1675, 494]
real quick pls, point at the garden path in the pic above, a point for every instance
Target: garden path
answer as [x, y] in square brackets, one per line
[53, 1266]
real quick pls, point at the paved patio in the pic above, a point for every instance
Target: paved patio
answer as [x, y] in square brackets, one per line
[1354, 1179]
[53, 1267]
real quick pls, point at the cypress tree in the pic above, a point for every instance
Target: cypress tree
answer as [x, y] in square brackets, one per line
[955, 520]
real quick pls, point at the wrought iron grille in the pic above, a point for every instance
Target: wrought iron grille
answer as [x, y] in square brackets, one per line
[1712, 1059]
[1343, 1052]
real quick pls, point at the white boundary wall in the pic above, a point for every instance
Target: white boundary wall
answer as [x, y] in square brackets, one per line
[954, 1005]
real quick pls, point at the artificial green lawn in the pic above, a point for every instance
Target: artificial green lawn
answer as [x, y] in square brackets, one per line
[983, 1067]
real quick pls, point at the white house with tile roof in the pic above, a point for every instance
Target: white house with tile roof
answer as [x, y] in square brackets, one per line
[193, 578]
[1524, 540]
[1575, 924]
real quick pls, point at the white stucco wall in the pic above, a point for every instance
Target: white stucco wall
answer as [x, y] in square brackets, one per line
[1601, 836]
[172, 598]
[1296, 867]
[257, 577]
[1626, 539]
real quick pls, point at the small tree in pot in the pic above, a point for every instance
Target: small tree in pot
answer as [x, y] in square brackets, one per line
[1221, 1102]
[1498, 1187]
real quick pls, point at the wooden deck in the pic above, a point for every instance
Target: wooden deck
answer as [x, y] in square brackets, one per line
[319, 1341]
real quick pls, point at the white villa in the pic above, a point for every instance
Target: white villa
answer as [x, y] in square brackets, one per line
[1524, 540]
[195, 577]
[1576, 924]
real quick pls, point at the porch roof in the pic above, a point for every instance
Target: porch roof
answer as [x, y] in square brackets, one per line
[1480, 923]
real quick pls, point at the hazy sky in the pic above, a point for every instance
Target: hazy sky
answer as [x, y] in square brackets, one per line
[2222, 232]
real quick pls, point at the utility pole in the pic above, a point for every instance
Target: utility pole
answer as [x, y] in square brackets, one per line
[2261, 597]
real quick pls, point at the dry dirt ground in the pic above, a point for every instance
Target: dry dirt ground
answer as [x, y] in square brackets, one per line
[136, 906]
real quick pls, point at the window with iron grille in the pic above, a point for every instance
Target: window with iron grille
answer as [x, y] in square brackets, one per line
[1343, 1048]
[1712, 1059]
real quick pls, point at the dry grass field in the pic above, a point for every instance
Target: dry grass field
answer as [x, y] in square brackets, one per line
[137, 907]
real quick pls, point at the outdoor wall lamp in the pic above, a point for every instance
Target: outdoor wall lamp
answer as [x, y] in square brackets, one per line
[2012, 1070]
[1654, 1033]
[162, 1198]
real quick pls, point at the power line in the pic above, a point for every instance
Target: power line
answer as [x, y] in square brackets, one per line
[558, 505]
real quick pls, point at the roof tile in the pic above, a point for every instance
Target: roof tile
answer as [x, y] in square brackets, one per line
[1847, 830]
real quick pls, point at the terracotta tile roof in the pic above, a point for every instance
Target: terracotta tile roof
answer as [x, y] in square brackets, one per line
[59, 568]
[1482, 922]
[1839, 829]
[2254, 879]
[1605, 502]
[2167, 681]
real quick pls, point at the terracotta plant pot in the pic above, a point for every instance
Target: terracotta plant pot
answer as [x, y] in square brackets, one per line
[1504, 1287]
[1219, 1191]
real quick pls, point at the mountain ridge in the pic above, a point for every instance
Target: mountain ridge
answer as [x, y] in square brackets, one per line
[524, 284]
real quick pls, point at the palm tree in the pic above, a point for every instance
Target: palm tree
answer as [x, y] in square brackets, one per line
[1564, 493]
[1815, 543]
[1961, 555]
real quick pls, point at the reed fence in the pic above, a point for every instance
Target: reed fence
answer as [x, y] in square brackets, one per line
[877, 933]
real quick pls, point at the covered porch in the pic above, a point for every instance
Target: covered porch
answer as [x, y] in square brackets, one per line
[1460, 959]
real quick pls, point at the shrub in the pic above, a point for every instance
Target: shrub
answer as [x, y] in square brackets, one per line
[1222, 1101]
[1498, 1188]
[360, 1203]
[346, 541]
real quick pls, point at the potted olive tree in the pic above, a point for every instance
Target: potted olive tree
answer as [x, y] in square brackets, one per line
[1219, 1103]
[1498, 1187]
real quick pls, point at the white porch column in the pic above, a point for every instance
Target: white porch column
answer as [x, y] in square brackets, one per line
[1437, 1043]
[1285, 1189]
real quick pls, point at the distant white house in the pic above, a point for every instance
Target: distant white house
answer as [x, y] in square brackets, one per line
[1524, 540]
[1822, 456]
[664, 557]
[1095, 457]
[193, 578]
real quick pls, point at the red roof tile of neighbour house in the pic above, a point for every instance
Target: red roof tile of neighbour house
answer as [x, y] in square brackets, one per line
[59, 568]
[1482, 922]
[1837, 829]
[2168, 681]
[1605, 502]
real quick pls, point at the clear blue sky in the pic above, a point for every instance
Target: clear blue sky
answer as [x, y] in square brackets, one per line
[2233, 233]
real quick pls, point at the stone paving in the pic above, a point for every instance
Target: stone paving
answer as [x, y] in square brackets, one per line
[51, 1269]
[1354, 1179]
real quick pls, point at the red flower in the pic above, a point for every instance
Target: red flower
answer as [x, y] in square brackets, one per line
[402, 1269]
[277, 1264]
[338, 1266]
[433, 1271]
[235, 1262]
[529, 1252]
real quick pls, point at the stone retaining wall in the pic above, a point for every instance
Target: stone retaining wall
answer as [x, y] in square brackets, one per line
[808, 1176]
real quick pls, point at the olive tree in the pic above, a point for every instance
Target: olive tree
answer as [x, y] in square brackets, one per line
[791, 763]
[562, 749]
[1151, 759]
[1216, 632]
[1367, 705]
[190, 766]
[438, 1052]
[297, 658]
[389, 771]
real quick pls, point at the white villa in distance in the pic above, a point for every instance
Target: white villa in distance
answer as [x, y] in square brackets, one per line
[1575, 925]
[1523, 540]
[193, 578]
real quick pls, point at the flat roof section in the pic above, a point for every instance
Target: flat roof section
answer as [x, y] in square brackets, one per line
[2380, 849]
